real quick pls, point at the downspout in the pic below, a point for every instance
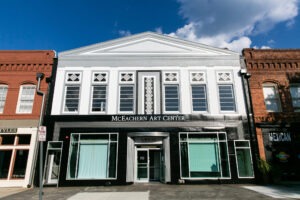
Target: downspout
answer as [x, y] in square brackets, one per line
[250, 118]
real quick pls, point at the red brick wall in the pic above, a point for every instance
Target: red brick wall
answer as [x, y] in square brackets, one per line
[20, 67]
[281, 67]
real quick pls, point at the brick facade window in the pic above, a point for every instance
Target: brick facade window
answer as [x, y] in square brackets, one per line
[271, 97]
[295, 94]
[26, 98]
[3, 92]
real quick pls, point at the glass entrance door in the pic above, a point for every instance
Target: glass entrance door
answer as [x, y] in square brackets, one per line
[148, 167]
[142, 165]
[53, 159]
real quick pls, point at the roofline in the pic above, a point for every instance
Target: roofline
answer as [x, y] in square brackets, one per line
[140, 35]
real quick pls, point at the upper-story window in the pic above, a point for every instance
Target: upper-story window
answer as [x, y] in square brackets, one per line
[295, 94]
[198, 88]
[99, 92]
[72, 92]
[26, 99]
[271, 97]
[171, 92]
[3, 92]
[126, 92]
[226, 91]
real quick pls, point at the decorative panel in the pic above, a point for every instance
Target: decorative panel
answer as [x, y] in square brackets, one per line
[73, 77]
[171, 77]
[100, 77]
[197, 77]
[126, 77]
[224, 77]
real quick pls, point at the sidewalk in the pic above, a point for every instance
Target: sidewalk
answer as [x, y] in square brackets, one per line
[157, 191]
[4, 192]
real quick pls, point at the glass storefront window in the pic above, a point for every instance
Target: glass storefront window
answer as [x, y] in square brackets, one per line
[5, 157]
[204, 155]
[20, 164]
[243, 159]
[92, 156]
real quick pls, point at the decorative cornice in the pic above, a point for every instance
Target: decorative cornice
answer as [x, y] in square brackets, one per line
[10, 67]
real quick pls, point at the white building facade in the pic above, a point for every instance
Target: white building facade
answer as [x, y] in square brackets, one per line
[148, 107]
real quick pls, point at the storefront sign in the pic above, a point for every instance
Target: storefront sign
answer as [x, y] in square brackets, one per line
[280, 137]
[141, 118]
[8, 130]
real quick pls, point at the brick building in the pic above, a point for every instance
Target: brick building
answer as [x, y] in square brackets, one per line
[275, 91]
[19, 113]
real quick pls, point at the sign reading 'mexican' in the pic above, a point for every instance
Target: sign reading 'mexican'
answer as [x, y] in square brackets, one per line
[280, 137]
[141, 118]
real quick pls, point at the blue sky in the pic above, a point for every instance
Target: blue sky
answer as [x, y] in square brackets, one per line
[64, 24]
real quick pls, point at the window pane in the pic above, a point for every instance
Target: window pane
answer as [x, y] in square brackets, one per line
[24, 139]
[184, 160]
[3, 92]
[72, 98]
[226, 96]
[112, 160]
[72, 160]
[271, 98]
[26, 99]
[5, 157]
[243, 157]
[92, 156]
[92, 163]
[126, 98]
[20, 164]
[295, 93]
[204, 157]
[8, 139]
[171, 98]
[199, 98]
[99, 99]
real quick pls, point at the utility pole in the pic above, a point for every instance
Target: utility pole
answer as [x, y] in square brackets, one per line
[39, 77]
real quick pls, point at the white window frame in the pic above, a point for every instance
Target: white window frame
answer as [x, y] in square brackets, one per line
[109, 142]
[134, 99]
[101, 84]
[4, 90]
[234, 98]
[104, 109]
[164, 98]
[124, 83]
[218, 141]
[236, 160]
[20, 100]
[276, 94]
[65, 94]
[72, 84]
[192, 99]
[171, 83]
[296, 109]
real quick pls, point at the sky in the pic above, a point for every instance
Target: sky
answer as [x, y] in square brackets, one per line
[62, 25]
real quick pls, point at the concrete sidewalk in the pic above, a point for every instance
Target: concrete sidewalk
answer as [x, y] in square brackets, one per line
[4, 192]
[155, 191]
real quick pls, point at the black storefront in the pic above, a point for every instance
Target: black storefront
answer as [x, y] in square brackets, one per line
[126, 149]
[282, 149]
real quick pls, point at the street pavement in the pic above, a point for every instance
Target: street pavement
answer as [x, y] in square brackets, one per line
[158, 191]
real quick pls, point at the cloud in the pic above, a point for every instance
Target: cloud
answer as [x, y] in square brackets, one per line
[231, 23]
[159, 30]
[124, 33]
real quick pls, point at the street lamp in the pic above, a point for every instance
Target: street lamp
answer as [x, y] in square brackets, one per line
[39, 77]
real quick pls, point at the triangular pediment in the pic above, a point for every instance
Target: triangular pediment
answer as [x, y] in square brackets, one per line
[148, 44]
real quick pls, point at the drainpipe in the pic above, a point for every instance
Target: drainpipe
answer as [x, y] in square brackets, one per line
[39, 77]
[250, 118]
